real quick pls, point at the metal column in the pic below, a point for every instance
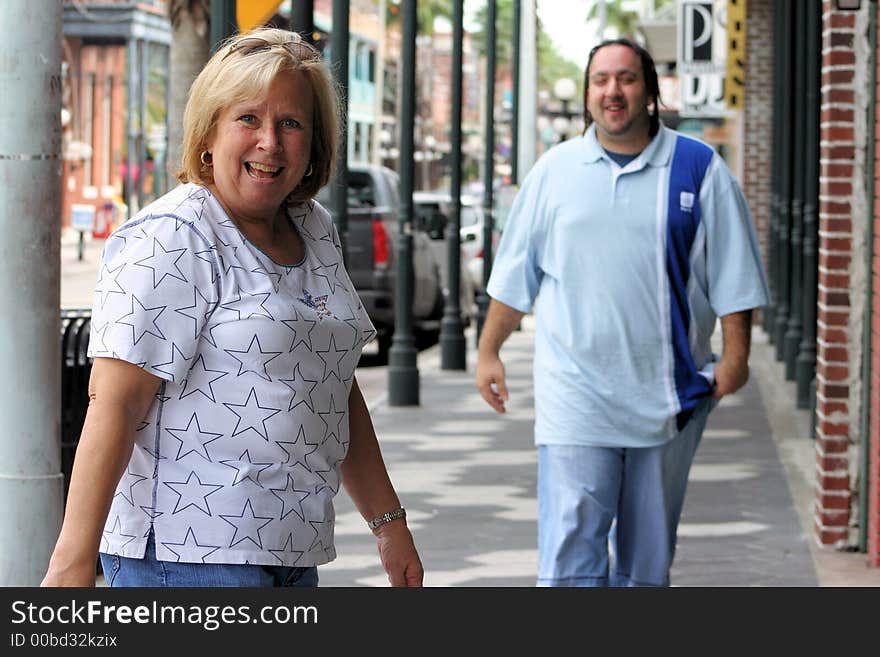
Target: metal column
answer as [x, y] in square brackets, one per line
[223, 22]
[806, 361]
[792, 337]
[452, 343]
[31, 483]
[514, 119]
[489, 166]
[302, 19]
[783, 252]
[339, 61]
[403, 372]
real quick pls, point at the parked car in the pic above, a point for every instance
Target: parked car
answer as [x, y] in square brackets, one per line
[432, 210]
[371, 239]
[470, 232]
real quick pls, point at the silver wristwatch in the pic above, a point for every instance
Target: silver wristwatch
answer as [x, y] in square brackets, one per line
[378, 521]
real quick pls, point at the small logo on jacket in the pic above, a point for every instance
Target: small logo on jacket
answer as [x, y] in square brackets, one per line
[686, 201]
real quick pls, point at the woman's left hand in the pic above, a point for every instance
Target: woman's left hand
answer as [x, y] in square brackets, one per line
[398, 554]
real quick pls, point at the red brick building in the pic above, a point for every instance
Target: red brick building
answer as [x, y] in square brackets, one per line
[811, 129]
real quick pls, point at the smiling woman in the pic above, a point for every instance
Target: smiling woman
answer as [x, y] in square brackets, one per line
[226, 336]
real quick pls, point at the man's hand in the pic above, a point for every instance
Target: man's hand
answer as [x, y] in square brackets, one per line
[398, 554]
[500, 322]
[731, 374]
[732, 371]
[490, 381]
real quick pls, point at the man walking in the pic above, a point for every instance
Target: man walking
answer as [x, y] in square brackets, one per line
[630, 242]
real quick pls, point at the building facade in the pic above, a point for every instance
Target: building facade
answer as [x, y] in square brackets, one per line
[816, 203]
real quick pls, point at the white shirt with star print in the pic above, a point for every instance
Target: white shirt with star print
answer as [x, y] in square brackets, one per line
[238, 459]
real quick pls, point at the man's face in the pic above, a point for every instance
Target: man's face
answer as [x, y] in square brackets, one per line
[617, 99]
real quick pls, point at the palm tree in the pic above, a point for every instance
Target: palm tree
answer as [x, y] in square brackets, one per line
[610, 14]
[190, 49]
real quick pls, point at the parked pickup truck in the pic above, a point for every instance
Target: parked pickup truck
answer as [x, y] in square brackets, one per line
[373, 211]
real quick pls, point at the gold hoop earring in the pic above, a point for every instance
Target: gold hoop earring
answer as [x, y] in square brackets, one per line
[206, 158]
[309, 171]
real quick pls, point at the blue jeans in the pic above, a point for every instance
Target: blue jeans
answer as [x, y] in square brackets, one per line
[609, 516]
[149, 571]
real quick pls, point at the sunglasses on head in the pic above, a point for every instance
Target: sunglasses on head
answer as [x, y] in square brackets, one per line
[249, 45]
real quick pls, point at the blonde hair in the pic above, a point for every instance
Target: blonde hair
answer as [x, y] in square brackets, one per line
[230, 78]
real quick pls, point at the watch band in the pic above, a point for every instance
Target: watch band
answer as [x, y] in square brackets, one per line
[378, 521]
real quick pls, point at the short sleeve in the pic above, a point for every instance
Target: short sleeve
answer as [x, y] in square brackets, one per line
[157, 286]
[735, 271]
[516, 269]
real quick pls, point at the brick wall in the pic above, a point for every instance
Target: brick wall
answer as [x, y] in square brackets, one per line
[834, 367]
[758, 115]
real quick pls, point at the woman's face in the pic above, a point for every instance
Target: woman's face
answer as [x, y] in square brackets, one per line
[261, 148]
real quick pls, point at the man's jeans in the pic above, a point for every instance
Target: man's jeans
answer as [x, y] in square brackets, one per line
[124, 571]
[632, 496]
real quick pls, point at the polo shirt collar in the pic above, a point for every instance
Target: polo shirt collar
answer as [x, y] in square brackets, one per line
[656, 153]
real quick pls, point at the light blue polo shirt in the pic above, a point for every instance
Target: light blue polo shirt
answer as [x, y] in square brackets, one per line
[627, 269]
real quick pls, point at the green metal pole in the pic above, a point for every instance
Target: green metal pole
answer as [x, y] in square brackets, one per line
[403, 373]
[785, 176]
[452, 343]
[514, 119]
[769, 315]
[489, 166]
[224, 22]
[793, 326]
[302, 19]
[806, 361]
[865, 503]
[339, 60]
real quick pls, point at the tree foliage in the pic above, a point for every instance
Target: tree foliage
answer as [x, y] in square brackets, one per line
[551, 64]
[426, 12]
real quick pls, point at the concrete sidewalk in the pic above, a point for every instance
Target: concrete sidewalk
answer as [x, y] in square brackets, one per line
[468, 479]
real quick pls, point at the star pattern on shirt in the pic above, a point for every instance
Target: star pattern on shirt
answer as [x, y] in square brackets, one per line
[99, 333]
[245, 468]
[255, 359]
[199, 312]
[332, 361]
[302, 393]
[199, 379]
[104, 285]
[252, 415]
[191, 551]
[115, 535]
[193, 493]
[210, 256]
[273, 276]
[193, 440]
[163, 263]
[291, 499]
[330, 273]
[332, 419]
[300, 337]
[316, 527]
[298, 455]
[331, 480]
[287, 550]
[128, 481]
[168, 367]
[248, 524]
[141, 320]
[244, 301]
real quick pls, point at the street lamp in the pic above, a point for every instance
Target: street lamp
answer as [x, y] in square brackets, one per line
[564, 89]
